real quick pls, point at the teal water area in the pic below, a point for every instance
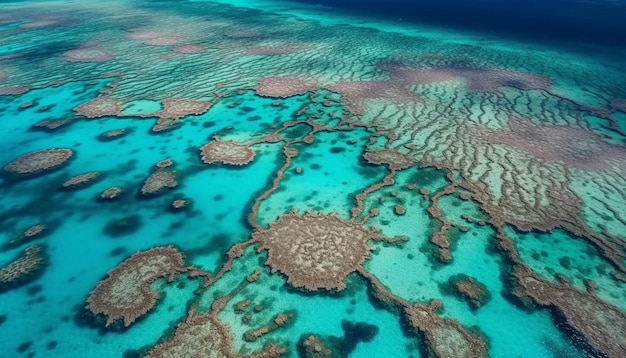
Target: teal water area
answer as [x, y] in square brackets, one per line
[341, 97]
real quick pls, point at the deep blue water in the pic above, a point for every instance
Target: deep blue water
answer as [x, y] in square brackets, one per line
[578, 21]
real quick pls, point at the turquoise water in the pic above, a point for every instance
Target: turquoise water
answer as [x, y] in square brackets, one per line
[505, 162]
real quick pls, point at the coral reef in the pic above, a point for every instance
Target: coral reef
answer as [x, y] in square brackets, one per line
[312, 346]
[393, 159]
[279, 321]
[159, 181]
[174, 108]
[52, 125]
[112, 135]
[125, 293]
[475, 292]
[89, 54]
[445, 338]
[283, 87]
[181, 204]
[204, 335]
[39, 161]
[32, 233]
[618, 104]
[23, 269]
[81, 181]
[111, 193]
[165, 163]
[573, 147]
[226, 152]
[315, 251]
[189, 49]
[602, 325]
[99, 107]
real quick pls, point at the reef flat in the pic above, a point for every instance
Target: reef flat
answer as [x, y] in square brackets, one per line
[253, 179]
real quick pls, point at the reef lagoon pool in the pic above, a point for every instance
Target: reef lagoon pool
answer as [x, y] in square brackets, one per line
[285, 179]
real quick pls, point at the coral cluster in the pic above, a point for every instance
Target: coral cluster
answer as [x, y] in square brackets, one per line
[159, 181]
[602, 325]
[226, 152]
[23, 269]
[88, 55]
[445, 338]
[112, 134]
[315, 251]
[393, 159]
[125, 293]
[39, 161]
[81, 181]
[283, 87]
[174, 108]
[99, 107]
[111, 193]
[203, 335]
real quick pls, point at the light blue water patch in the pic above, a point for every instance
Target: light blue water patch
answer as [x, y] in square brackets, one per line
[141, 107]
[50, 103]
[12, 48]
[332, 174]
[79, 257]
[222, 197]
[315, 313]
[560, 253]
[421, 282]
[250, 116]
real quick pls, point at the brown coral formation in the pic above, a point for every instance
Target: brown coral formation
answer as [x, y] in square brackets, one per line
[617, 104]
[313, 347]
[575, 147]
[22, 269]
[14, 90]
[315, 251]
[445, 338]
[159, 181]
[52, 125]
[226, 152]
[111, 193]
[205, 336]
[125, 294]
[174, 108]
[180, 204]
[394, 159]
[39, 161]
[399, 210]
[32, 233]
[199, 336]
[283, 87]
[34, 230]
[112, 134]
[96, 55]
[469, 288]
[189, 49]
[602, 325]
[165, 163]
[81, 180]
[99, 107]
[279, 321]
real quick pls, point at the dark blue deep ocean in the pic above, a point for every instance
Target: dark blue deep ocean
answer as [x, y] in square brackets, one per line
[601, 22]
